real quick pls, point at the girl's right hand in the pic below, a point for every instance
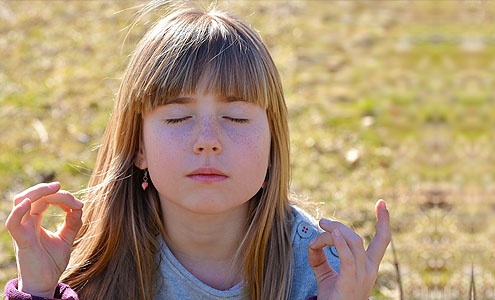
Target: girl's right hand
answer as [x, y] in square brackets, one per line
[42, 255]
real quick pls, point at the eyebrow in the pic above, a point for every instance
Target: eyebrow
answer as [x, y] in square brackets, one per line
[179, 100]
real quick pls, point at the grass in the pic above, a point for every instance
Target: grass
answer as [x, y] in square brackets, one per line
[387, 99]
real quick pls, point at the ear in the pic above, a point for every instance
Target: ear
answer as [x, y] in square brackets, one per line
[140, 160]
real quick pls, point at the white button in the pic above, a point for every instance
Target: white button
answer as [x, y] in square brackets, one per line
[304, 230]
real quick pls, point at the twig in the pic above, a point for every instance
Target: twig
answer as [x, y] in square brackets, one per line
[472, 287]
[397, 269]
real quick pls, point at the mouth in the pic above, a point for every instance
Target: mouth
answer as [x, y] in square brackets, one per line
[207, 175]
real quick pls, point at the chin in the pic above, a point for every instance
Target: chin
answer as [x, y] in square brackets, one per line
[215, 207]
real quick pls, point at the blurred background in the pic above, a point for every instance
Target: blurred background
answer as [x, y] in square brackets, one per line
[387, 99]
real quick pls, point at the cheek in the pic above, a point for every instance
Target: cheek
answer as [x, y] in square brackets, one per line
[254, 148]
[163, 148]
[158, 138]
[261, 146]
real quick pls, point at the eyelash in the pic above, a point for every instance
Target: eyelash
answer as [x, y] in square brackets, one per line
[179, 120]
[176, 121]
[237, 120]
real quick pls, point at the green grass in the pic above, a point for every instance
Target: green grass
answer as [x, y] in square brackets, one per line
[405, 85]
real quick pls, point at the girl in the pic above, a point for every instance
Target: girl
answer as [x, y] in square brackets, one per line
[189, 195]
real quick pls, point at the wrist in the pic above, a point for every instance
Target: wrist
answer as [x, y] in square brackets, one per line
[25, 288]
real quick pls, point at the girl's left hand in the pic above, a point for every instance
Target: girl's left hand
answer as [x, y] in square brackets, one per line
[358, 267]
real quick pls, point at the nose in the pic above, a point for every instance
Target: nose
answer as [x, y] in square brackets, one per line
[207, 140]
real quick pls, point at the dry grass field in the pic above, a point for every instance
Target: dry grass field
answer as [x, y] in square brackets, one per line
[387, 99]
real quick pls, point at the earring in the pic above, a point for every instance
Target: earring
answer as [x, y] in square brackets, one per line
[144, 185]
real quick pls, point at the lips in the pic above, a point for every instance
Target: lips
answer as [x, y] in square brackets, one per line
[207, 175]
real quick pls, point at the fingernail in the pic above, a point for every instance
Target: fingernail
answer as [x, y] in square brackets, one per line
[325, 222]
[79, 204]
[53, 184]
[384, 203]
[380, 204]
[25, 202]
[336, 232]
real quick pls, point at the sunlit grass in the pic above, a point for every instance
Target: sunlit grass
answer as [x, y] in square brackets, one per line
[387, 99]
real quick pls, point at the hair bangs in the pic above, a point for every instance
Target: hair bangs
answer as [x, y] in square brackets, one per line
[234, 69]
[215, 58]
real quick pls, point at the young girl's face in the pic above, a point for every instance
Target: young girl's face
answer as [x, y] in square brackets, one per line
[206, 153]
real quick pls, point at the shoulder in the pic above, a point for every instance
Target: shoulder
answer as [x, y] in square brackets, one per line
[304, 226]
[304, 229]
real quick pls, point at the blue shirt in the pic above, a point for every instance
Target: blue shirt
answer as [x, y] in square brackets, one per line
[179, 283]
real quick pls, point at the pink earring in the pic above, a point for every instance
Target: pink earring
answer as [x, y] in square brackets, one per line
[144, 185]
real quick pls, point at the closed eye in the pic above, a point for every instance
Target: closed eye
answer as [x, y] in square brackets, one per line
[237, 120]
[176, 120]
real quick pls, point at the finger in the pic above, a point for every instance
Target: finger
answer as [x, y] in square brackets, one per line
[72, 224]
[62, 199]
[317, 258]
[36, 192]
[347, 259]
[378, 245]
[20, 225]
[322, 240]
[353, 240]
[14, 219]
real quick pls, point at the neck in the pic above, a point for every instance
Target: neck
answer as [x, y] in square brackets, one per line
[207, 244]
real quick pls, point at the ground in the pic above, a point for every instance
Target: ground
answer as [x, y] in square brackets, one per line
[387, 99]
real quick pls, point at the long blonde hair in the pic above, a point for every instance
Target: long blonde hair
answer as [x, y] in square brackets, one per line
[116, 253]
